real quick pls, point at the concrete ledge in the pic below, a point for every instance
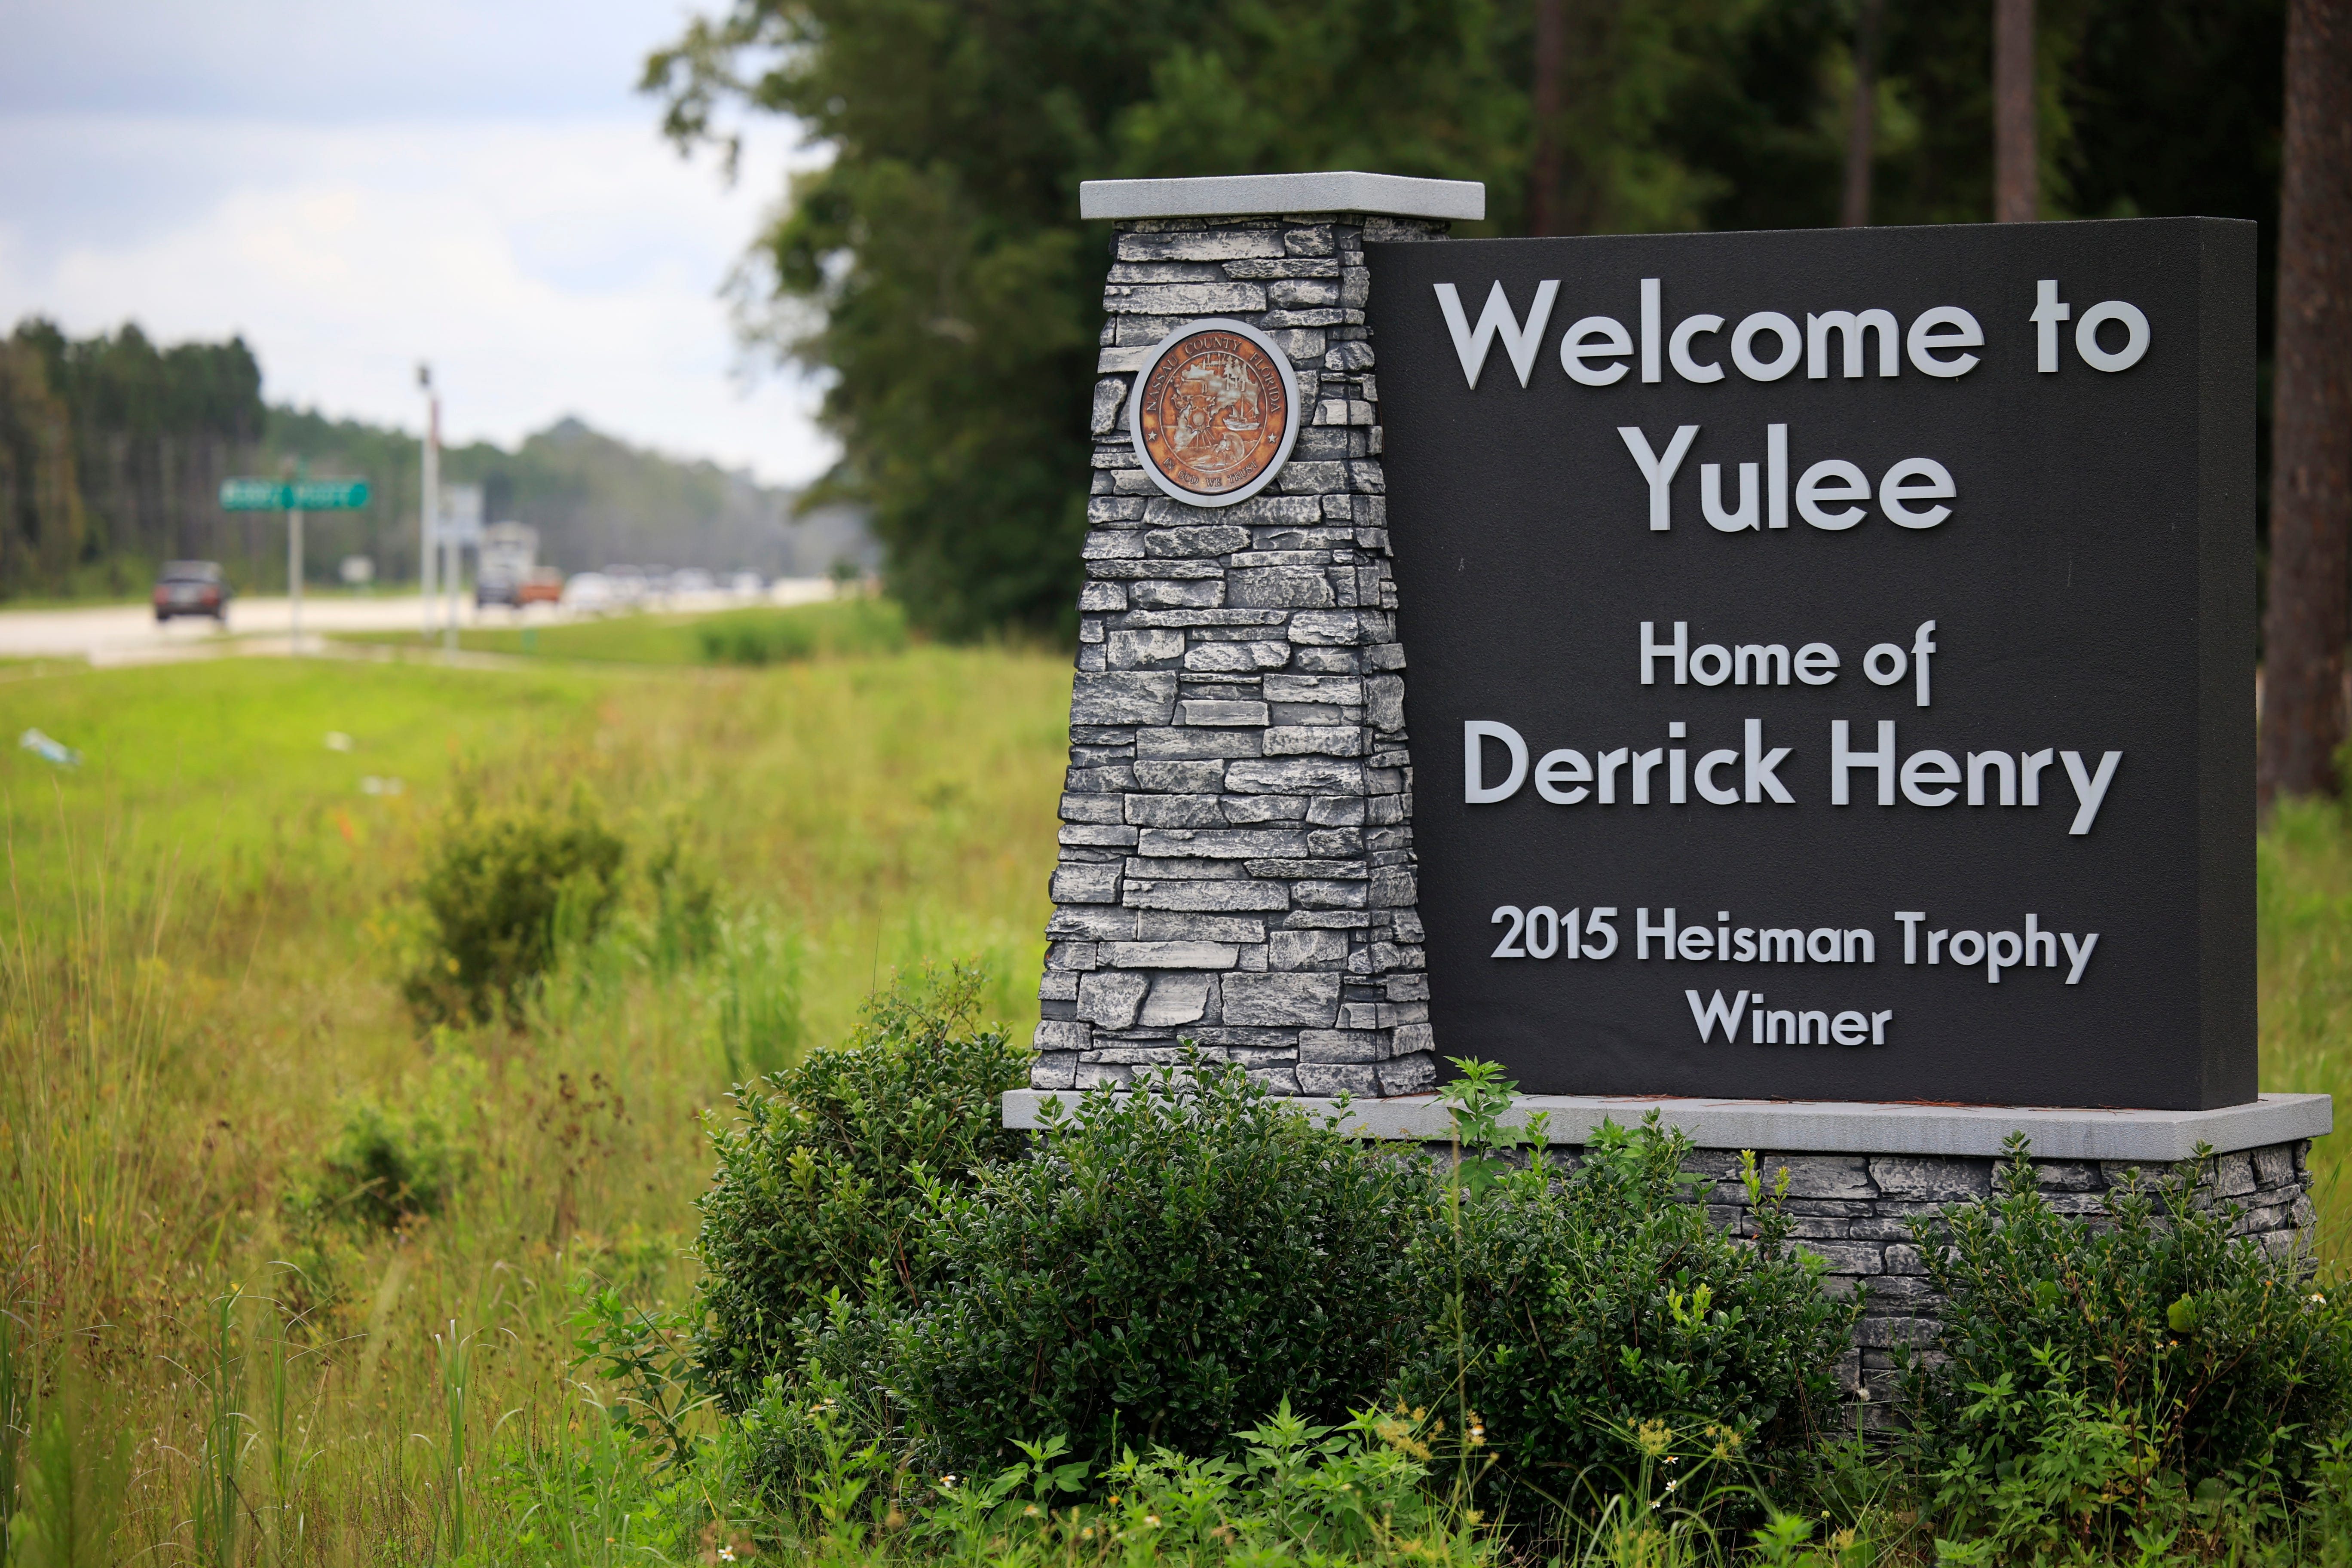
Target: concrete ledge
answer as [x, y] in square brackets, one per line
[1249, 195]
[1846, 1127]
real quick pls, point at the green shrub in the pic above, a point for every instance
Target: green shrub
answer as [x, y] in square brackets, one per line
[821, 1185]
[384, 1168]
[2102, 1370]
[501, 884]
[1592, 1319]
[1163, 1269]
[760, 636]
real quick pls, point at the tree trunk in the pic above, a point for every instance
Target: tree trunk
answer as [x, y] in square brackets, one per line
[2311, 443]
[2016, 171]
[1543, 166]
[1862, 126]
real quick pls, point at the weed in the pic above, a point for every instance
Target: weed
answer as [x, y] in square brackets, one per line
[504, 884]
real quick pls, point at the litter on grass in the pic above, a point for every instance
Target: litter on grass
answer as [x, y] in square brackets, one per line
[56, 752]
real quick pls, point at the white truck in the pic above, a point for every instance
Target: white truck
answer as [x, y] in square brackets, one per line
[508, 551]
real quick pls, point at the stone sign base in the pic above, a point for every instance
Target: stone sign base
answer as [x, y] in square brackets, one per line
[1860, 1172]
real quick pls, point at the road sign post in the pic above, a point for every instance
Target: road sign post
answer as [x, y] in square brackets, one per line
[293, 497]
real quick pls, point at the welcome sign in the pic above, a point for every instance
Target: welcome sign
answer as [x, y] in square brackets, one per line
[1828, 657]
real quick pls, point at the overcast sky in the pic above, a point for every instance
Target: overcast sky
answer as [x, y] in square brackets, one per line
[357, 186]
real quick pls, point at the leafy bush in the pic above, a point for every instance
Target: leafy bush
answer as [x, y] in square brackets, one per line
[820, 1186]
[1595, 1319]
[1163, 1269]
[2100, 1373]
[858, 625]
[501, 883]
[1282, 1492]
[382, 1168]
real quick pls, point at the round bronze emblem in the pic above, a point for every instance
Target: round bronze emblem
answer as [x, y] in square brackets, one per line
[1215, 412]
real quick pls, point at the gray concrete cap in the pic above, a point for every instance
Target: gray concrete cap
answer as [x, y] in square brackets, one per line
[1843, 1127]
[1250, 195]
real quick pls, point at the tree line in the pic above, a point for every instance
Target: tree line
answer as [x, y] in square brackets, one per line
[112, 450]
[936, 273]
[957, 296]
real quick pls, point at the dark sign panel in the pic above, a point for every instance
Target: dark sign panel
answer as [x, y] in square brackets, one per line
[1831, 658]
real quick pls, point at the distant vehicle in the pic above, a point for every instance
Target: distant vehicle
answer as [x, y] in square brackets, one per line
[626, 583]
[191, 588]
[507, 551]
[541, 585]
[691, 580]
[591, 591]
[747, 583]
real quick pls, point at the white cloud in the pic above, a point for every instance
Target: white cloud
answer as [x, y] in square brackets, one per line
[547, 263]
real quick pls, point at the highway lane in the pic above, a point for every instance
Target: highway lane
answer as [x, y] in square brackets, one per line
[129, 634]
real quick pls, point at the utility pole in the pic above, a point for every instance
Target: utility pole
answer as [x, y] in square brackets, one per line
[2016, 167]
[429, 507]
[2309, 614]
[294, 560]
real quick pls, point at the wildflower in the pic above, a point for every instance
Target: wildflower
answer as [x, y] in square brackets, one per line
[727, 1554]
[1654, 1437]
[1029, 1512]
[1152, 1520]
[1114, 1499]
[1087, 1533]
[1670, 1486]
[948, 1481]
[2318, 1301]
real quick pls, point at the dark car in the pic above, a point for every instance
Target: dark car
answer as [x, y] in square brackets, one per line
[191, 588]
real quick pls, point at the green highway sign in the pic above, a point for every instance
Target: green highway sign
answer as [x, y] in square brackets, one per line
[300, 494]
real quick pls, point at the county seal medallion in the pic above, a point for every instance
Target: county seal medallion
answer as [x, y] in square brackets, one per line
[1214, 413]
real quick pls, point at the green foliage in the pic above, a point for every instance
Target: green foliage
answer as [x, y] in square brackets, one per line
[1164, 1266]
[502, 882]
[1582, 1319]
[959, 292]
[644, 1353]
[859, 625]
[935, 269]
[384, 1168]
[2098, 1374]
[759, 968]
[1283, 1491]
[151, 431]
[72, 1477]
[41, 520]
[825, 1182]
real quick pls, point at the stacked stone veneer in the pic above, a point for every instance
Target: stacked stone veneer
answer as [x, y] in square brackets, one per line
[1856, 1211]
[1236, 864]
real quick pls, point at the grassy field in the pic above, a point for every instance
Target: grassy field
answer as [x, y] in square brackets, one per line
[200, 986]
[199, 996]
[753, 636]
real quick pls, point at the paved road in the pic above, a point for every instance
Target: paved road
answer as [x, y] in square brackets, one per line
[127, 633]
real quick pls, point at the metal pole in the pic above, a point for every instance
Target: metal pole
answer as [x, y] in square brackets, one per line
[456, 569]
[294, 575]
[428, 506]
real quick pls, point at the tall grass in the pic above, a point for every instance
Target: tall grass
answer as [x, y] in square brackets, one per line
[200, 944]
[200, 947]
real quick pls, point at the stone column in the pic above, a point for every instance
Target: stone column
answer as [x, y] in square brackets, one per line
[1236, 851]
